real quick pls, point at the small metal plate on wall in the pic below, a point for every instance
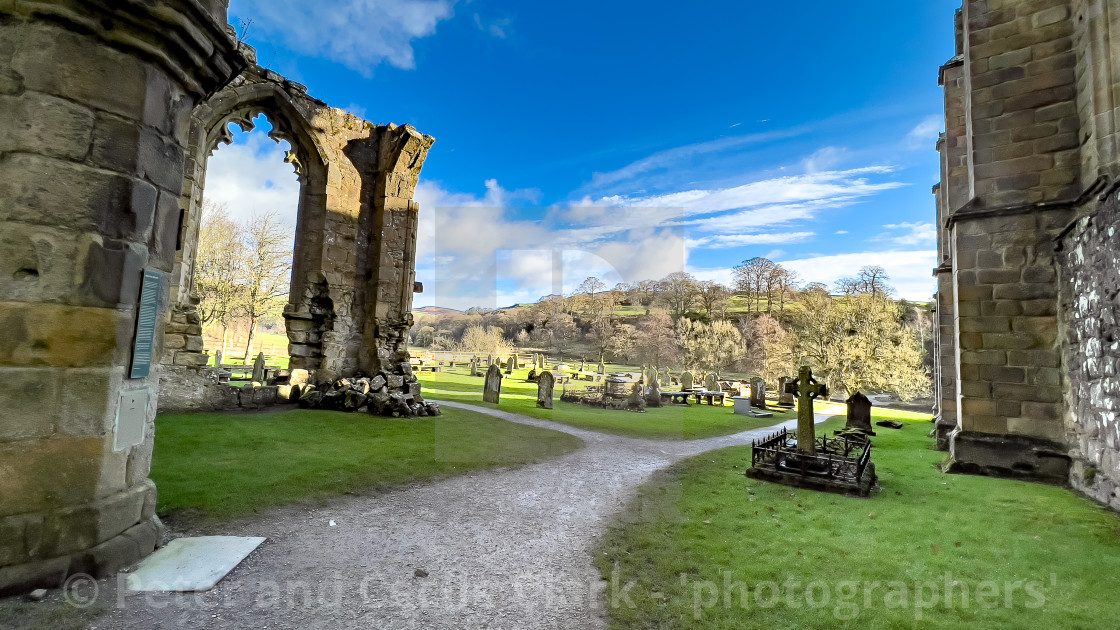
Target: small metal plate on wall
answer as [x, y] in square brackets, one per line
[132, 417]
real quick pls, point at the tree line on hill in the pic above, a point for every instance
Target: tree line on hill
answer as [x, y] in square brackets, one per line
[765, 323]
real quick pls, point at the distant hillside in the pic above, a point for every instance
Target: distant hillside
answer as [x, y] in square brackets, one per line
[436, 311]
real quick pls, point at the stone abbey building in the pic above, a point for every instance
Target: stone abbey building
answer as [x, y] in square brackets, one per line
[109, 110]
[1029, 278]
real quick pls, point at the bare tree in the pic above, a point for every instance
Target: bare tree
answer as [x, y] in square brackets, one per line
[218, 267]
[871, 279]
[268, 270]
[714, 298]
[752, 279]
[678, 291]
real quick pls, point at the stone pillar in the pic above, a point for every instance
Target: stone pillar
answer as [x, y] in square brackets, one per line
[92, 126]
[1016, 190]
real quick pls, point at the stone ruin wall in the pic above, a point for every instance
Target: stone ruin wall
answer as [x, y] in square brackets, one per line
[349, 307]
[94, 100]
[1030, 144]
[99, 161]
[1090, 263]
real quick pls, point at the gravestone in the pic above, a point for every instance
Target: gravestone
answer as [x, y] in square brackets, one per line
[806, 388]
[545, 385]
[859, 414]
[636, 401]
[489, 359]
[582, 365]
[540, 362]
[653, 382]
[513, 363]
[653, 393]
[602, 367]
[785, 399]
[474, 366]
[218, 359]
[711, 383]
[686, 381]
[666, 377]
[758, 393]
[258, 369]
[492, 390]
[532, 377]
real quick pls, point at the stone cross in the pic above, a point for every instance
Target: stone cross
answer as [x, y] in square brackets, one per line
[492, 390]
[686, 381]
[258, 369]
[806, 388]
[545, 385]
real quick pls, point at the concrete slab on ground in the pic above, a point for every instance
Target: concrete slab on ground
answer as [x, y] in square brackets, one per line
[191, 564]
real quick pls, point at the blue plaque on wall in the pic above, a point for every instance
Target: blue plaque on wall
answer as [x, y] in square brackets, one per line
[146, 317]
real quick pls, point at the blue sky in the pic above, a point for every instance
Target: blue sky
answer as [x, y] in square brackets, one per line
[634, 138]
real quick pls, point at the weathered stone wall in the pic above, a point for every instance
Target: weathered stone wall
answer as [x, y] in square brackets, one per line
[350, 303]
[1090, 307]
[1038, 82]
[94, 102]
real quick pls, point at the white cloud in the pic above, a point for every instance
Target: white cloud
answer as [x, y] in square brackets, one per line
[360, 34]
[925, 133]
[496, 28]
[910, 271]
[812, 190]
[912, 234]
[824, 159]
[723, 241]
[673, 157]
[252, 176]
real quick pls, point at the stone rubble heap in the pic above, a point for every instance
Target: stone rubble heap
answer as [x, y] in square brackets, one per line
[383, 395]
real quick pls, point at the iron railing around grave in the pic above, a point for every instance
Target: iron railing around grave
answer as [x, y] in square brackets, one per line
[837, 458]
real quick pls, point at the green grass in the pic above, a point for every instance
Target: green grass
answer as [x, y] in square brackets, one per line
[672, 422]
[224, 465]
[705, 521]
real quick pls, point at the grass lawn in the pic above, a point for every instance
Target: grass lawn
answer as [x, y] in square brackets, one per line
[1029, 555]
[674, 422]
[224, 465]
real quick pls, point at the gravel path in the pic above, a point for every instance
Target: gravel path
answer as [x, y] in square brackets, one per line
[496, 549]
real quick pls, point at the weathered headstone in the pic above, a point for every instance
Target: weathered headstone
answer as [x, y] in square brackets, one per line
[758, 393]
[653, 382]
[532, 378]
[513, 363]
[806, 388]
[545, 385]
[653, 393]
[784, 397]
[474, 366]
[711, 383]
[489, 359]
[602, 368]
[540, 362]
[686, 381]
[859, 413]
[218, 359]
[636, 401]
[258, 369]
[666, 377]
[492, 390]
[583, 365]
